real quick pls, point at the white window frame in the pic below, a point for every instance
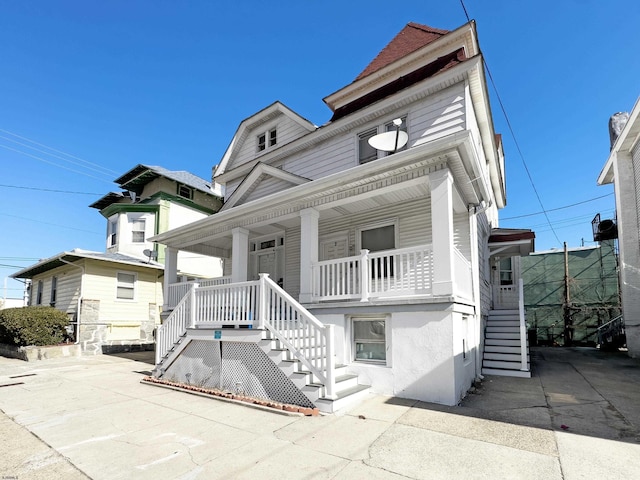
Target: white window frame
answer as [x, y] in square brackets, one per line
[373, 226]
[54, 291]
[112, 231]
[126, 285]
[185, 191]
[267, 139]
[386, 318]
[39, 292]
[134, 230]
[376, 129]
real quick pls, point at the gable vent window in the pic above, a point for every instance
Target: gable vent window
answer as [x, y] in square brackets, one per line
[185, 191]
[267, 139]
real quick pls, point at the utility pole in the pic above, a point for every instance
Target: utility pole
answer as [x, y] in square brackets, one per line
[568, 328]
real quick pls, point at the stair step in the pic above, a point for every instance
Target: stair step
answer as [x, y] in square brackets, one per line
[503, 329]
[503, 323]
[503, 335]
[500, 313]
[507, 357]
[501, 349]
[502, 365]
[504, 342]
[346, 398]
[506, 373]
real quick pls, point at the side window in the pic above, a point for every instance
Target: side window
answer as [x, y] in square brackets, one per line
[506, 272]
[185, 191]
[54, 291]
[138, 230]
[39, 293]
[112, 231]
[126, 285]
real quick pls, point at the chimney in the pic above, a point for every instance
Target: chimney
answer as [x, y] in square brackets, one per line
[616, 124]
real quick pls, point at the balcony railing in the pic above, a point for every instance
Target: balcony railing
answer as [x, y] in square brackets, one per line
[389, 273]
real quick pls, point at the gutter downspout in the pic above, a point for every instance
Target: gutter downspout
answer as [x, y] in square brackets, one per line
[79, 305]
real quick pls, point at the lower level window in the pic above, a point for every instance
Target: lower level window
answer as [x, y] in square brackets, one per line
[369, 338]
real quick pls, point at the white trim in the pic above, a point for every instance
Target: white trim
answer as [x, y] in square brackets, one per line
[134, 288]
[379, 224]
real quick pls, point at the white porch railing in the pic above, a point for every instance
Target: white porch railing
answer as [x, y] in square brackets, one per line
[462, 274]
[399, 272]
[505, 297]
[177, 291]
[523, 328]
[257, 304]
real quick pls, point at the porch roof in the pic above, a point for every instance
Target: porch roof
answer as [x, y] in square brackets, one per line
[511, 241]
[397, 178]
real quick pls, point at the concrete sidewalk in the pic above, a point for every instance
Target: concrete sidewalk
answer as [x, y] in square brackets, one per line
[578, 417]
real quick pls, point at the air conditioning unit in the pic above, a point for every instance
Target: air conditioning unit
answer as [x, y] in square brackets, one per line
[603, 229]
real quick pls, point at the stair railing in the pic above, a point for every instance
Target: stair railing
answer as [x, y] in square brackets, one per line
[309, 340]
[523, 328]
[175, 325]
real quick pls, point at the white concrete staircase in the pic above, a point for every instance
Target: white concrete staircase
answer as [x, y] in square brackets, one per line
[502, 345]
[348, 390]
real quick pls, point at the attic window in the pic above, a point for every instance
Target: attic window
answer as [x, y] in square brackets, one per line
[185, 191]
[271, 136]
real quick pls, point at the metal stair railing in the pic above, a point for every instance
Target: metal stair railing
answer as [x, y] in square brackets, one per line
[612, 328]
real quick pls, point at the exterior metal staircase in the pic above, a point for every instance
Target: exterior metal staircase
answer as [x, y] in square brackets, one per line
[503, 345]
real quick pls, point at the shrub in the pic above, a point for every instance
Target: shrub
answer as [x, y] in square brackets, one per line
[32, 326]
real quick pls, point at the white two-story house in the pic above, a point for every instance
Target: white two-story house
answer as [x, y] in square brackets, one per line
[349, 264]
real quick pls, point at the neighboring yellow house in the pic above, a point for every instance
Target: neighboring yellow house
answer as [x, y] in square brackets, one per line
[113, 300]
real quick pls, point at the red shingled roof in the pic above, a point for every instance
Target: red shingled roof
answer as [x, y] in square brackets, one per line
[411, 38]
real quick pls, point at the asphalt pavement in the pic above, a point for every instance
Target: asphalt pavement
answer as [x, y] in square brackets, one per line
[90, 417]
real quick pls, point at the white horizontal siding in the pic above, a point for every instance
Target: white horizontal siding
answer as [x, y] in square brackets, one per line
[332, 156]
[267, 186]
[292, 261]
[287, 131]
[67, 289]
[438, 116]
[461, 234]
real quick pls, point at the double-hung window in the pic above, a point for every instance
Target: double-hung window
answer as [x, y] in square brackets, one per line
[39, 293]
[112, 232]
[54, 291]
[366, 153]
[137, 230]
[126, 286]
[267, 139]
[376, 239]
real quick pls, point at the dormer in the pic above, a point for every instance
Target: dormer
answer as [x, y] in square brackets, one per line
[258, 138]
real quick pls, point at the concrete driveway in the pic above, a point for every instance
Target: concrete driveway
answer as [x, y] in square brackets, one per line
[90, 417]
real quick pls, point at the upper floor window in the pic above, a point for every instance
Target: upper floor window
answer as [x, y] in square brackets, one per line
[366, 152]
[267, 139]
[126, 283]
[54, 291]
[112, 232]
[137, 230]
[185, 191]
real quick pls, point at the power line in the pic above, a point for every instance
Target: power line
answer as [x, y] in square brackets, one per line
[559, 208]
[53, 163]
[515, 141]
[48, 223]
[48, 190]
[108, 170]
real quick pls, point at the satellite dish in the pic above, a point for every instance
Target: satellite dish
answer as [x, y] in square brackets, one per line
[150, 253]
[389, 141]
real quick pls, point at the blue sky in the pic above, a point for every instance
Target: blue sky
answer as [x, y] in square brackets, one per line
[166, 83]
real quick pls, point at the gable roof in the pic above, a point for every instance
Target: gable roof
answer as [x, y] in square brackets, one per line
[626, 141]
[76, 254]
[254, 121]
[411, 38]
[257, 174]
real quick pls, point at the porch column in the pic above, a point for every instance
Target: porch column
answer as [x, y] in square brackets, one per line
[308, 251]
[170, 273]
[240, 255]
[441, 183]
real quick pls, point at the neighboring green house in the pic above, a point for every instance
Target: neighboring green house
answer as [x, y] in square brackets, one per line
[562, 316]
